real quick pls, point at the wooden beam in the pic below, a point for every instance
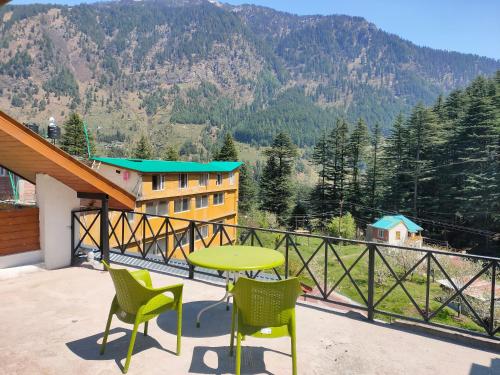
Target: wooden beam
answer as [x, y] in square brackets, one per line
[37, 155]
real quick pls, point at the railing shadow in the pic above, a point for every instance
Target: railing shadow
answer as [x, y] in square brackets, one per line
[214, 322]
[88, 348]
[216, 360]
[475, 342]
[493, 369]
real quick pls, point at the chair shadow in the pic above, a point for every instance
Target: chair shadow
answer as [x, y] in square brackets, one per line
[88, 348]
[214, 322]
[252, 360]
[477, 369]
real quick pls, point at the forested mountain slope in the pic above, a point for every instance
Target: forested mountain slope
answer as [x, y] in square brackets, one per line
[248, 69]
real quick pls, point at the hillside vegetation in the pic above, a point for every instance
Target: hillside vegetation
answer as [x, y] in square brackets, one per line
[247, 69]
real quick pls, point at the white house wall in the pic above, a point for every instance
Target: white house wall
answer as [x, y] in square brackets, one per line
[132, 184]
[392, 234]
[55, 202]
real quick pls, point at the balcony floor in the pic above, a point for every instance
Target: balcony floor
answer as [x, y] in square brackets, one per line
[52, 323]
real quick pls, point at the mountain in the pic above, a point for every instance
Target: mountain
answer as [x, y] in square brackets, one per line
[246, 69]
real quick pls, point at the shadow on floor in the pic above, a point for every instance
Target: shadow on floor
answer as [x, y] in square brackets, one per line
[119, 338]
[214, 322]
[470, 340]
[493, 369]
[216, 360]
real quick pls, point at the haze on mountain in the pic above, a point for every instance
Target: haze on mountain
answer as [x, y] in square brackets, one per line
[246, 69]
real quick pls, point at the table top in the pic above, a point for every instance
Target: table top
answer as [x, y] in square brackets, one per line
[236, 258]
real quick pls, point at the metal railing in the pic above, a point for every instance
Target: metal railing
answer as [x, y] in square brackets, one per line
[386, 281]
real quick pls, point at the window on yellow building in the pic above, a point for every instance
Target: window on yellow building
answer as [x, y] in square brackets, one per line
[202, 201]
[158, 182]
[231, 178]
[217, 227]
[218, 179]
[185, 238]
[162, 208]
[181, 205]
[203, 229]
[183, 180]
[151, 208]
[218, 198]
[203, 180]
[130, 217]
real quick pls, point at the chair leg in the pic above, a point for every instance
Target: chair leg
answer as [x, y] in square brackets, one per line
[146, 328]
[233, 322]
[106, 331]
[294, 355]
[238, 353]
[131, 346]
[179, 328]
[293, 337]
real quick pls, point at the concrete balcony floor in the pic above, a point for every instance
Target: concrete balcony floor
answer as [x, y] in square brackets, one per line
[52, 323]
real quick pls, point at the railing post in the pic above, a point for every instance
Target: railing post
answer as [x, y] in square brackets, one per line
[286, 256]
[371, 280]
[105, 229]
[191, 247]
[492, 301]
[427, 287]
[325, 271]
[72, 238]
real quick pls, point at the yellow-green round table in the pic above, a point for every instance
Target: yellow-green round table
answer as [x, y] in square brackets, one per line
[234, 259]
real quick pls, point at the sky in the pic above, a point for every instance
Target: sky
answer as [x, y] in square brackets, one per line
[470, 26]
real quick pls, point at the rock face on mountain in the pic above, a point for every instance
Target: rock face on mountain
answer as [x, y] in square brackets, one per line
[249, 69]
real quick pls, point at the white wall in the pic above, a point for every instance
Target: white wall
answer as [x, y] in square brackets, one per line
[55, 202]
[392, 234]
[133, 184]
[21, 259]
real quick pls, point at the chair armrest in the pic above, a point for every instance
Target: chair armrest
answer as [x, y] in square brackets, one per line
[176, 290]
[144, 276]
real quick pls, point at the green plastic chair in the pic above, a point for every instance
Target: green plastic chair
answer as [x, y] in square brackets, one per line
[265, 310]
[136, 302]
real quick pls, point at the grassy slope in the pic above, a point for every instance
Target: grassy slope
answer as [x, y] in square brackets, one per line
[395, 302]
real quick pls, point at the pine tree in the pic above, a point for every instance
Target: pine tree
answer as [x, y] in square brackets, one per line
[228, 150]
[246, 191]
[357, 144]
[477, 148]
[275, 183]
[424, 136]
[336, 168]
[395, 161]
[73, 139]
[318, 197]
[374, 173]
[143, 149]
[171, 154]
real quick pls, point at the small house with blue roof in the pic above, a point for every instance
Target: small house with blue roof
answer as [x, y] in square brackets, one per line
[395, 230]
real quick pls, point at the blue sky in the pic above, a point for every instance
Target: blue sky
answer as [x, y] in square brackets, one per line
[471, 26]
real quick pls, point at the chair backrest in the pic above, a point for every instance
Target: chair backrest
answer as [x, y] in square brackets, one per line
[266, 304]
[130, 293]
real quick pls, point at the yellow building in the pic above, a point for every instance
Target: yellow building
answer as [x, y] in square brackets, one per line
[179, 190]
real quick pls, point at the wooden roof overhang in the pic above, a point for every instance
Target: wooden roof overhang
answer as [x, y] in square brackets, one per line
[27, 154]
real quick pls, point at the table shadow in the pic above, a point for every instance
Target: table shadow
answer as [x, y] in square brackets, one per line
[214, 322]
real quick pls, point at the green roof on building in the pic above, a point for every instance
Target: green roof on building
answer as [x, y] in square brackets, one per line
[388, 222]
[163, 166]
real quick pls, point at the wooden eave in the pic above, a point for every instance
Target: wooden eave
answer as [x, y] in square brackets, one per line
[27, 154]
